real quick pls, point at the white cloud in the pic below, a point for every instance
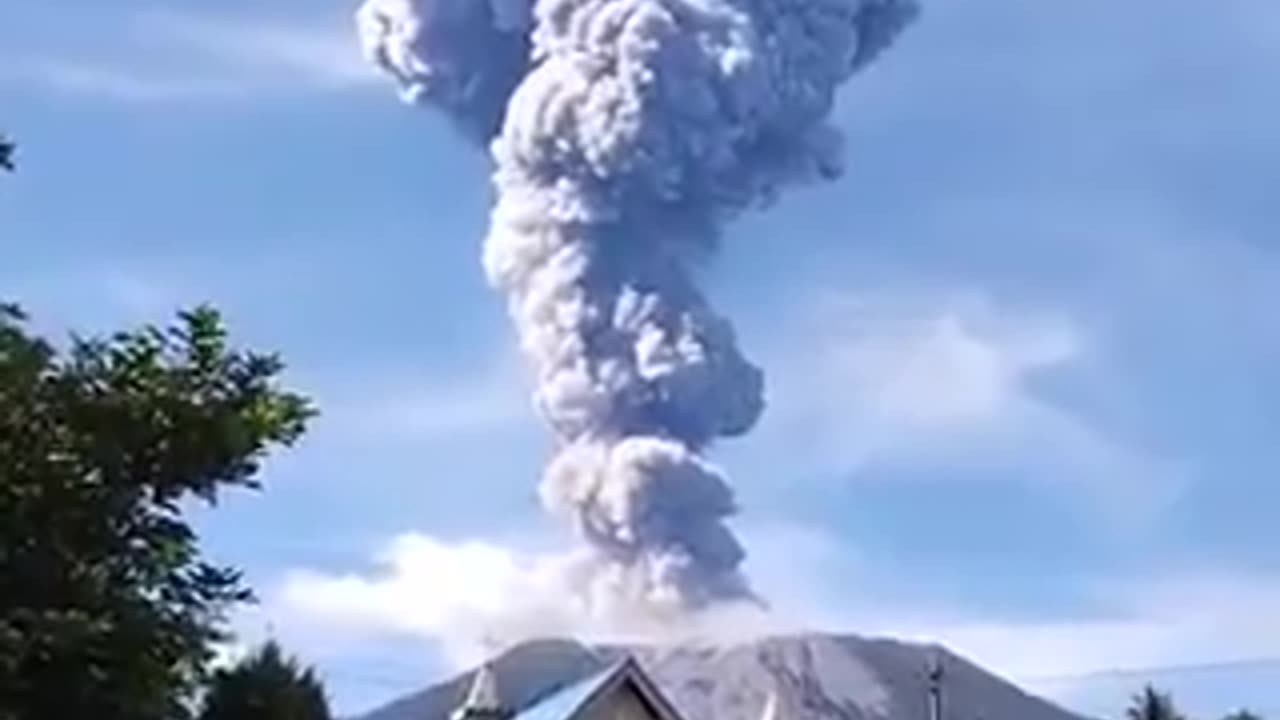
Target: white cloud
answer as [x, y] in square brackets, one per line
[1182, 620]
[466, 598]
[1173, 618]
[469, 598]
[317, 57]
[954, 364]
[457, 594]
[167, 57]
[118, 83]
[894, 367]
[89, 299]
[949, 381]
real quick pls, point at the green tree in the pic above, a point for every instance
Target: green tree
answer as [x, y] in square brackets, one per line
[7, 149]
[107, 609]
[266, 685]
[1151, 704]
[1243, 714]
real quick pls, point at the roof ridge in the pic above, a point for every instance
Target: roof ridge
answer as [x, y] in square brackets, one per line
[567, 702]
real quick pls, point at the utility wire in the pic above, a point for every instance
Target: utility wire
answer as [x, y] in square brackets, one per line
[1266, 661]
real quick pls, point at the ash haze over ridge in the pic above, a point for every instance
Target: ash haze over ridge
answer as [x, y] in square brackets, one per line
[624, 134]
[818, 677]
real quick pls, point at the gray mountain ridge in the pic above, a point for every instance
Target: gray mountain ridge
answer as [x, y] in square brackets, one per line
[828, 677]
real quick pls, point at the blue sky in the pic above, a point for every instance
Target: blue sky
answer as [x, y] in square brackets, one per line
[1023, 360]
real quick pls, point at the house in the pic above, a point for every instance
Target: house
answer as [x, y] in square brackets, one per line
[622, 691]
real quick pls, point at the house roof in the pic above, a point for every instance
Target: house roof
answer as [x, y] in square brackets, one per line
[482, 698]
[567, 703]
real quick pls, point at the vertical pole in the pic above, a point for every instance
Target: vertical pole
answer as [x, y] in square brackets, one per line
[935, 676]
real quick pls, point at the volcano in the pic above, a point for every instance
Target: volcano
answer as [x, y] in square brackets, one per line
[831, 677]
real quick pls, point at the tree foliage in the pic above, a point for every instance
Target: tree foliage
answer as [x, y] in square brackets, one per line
[266, 685]
[107, 609]
[1243, 714]
[1151, 704]
[7, 149]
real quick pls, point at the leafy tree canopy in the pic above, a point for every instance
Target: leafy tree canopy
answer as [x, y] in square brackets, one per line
[266, 685]
[107, 609]
[7, 149]
[1151, 704]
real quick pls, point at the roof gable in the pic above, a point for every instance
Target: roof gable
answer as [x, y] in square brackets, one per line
[574, 701]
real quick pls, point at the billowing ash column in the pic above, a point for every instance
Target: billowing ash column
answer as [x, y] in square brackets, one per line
[624, 134]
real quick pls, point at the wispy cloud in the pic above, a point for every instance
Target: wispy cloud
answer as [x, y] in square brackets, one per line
[493, 398]
[171, 56]
[461, 598]
[453, 594]
[472, 597]
[942, 363]
[936, 379]
[118, 83]
[313, 56]
[1167, 622]
[92, 298]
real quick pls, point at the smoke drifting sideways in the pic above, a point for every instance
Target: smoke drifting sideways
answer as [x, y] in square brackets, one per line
[624, 135]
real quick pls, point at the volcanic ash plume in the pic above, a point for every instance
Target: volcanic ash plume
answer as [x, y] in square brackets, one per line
[624, 133]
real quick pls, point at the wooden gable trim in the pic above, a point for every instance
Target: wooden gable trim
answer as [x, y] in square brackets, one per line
[649, 692]
[630, 673]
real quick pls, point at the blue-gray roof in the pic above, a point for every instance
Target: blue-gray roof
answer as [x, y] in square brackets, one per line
[562, 704]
